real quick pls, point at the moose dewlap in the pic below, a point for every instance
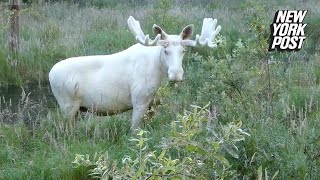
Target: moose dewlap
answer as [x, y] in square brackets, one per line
[109, 84]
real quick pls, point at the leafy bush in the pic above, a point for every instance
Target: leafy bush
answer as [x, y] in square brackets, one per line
[184, 154]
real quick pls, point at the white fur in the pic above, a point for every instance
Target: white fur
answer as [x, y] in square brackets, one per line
[126, 80]
[109, 83]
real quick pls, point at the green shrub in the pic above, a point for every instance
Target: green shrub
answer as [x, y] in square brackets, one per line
[184, 154]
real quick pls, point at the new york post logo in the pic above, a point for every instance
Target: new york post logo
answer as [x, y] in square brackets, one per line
[287, 30]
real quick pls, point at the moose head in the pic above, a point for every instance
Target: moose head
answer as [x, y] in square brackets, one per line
[174, 45]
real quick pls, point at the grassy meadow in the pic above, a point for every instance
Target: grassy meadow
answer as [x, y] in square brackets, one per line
[241, 113]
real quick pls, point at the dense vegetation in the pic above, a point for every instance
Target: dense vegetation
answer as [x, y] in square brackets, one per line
[242, 112]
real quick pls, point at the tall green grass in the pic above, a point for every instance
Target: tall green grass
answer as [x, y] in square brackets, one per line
[51, 32]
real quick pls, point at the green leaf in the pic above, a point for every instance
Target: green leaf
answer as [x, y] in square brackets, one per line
[162, 154]
[193, 148]
[275, 174]
[260, 173]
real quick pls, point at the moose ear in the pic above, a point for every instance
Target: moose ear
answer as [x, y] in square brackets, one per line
[187, 32]
[157, 30]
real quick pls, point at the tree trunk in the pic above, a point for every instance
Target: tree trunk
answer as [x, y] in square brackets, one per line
[14, 20]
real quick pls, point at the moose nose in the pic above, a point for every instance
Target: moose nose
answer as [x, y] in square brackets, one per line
[175, 77]
[175, 74]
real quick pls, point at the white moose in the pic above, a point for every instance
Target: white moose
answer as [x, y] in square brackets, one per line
[110, 84]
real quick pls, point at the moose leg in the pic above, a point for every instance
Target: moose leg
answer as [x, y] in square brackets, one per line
[74, 109]
[75, 104]
[141, 98]
[138, 112]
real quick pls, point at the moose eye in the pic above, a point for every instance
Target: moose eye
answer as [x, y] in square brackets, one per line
[166, 52]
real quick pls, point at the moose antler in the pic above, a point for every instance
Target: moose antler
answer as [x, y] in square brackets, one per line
[208, 34]
[135, 29]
